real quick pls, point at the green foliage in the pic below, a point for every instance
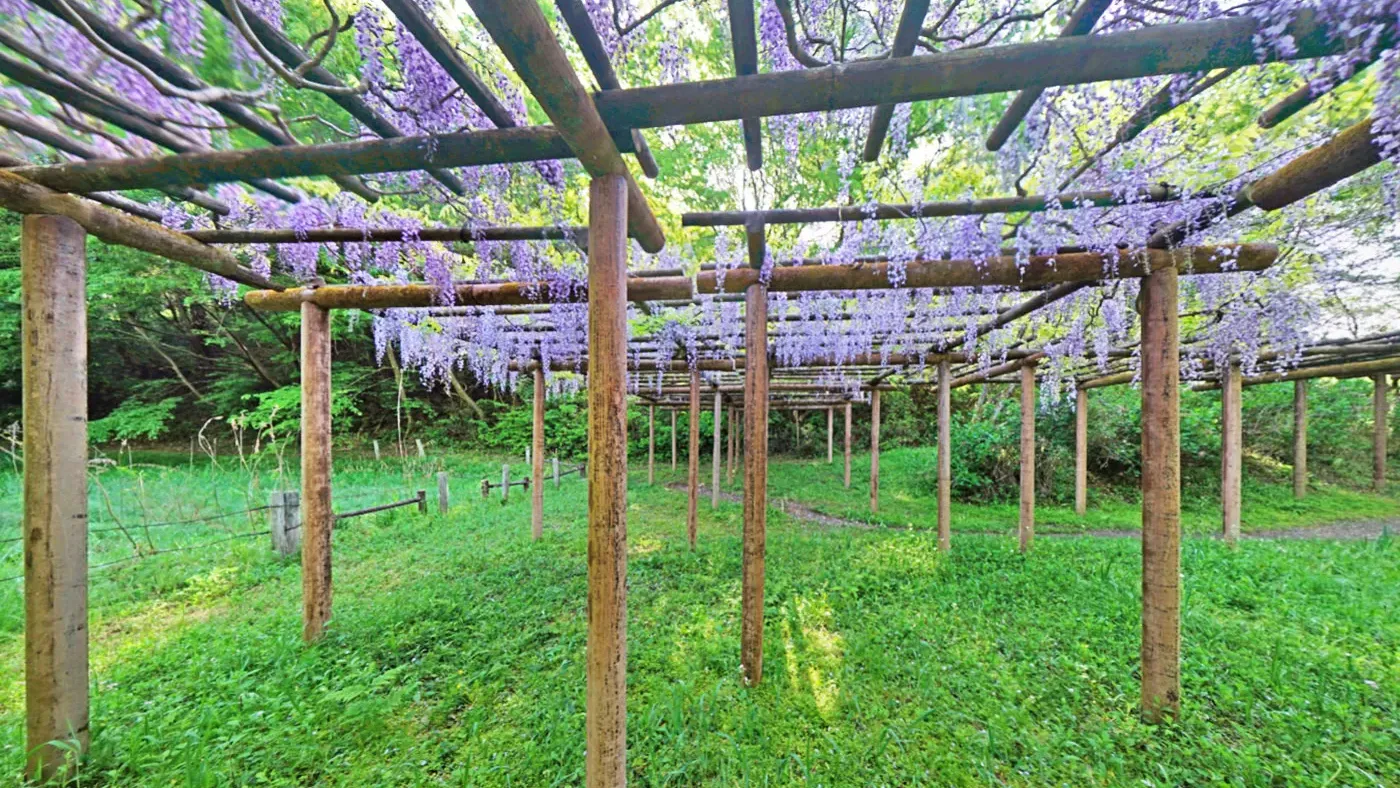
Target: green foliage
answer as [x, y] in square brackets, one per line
[133, 420]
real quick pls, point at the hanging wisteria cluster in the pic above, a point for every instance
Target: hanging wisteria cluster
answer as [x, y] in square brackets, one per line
[1123, 137]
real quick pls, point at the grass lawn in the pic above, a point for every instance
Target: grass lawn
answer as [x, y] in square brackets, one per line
[455, 656]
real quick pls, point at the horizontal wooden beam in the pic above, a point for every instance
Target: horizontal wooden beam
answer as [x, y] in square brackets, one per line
[391, 234]
[987, 375]
[21, 196]
[1035, 203]
[1352, 369]
[1152, 51]
[906, 37]
[1004, 271]
[1346, 154]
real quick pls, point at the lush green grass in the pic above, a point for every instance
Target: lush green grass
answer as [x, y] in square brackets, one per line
[907, 499]
[456, 657]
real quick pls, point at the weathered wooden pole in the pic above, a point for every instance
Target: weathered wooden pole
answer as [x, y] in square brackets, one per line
[755, 481]
[1380, 413]
[673, 440]
[733, 442]
[537, 461]
[606, 656]
[444, 493]
[847, 449]
[53, 333]
[651, 444]
[1161, 499]
[692, 512]
[1081, 451]
[1026, 527]
[1231, 439]
[505, 483]
[1300, 438]
[796, 431]
[830, 435]
[874, 451]
[945, 458]
[316, 517]
[716, 451]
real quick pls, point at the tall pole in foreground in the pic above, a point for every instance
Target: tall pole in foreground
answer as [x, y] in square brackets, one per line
[53, 307]
[1231, 438]
[755, 467]
[692, 512]
[874, 451]
[537, 461]
[1380, 412]
[1081, 451]
[1161, 499]
[945, 458]
[606, 704]
[1027, 521]
[316, 517]
[651, 444]
[717, 451]
[1300, 438]
[847, 449]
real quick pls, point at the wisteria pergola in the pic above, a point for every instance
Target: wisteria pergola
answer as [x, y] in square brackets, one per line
[66, 201]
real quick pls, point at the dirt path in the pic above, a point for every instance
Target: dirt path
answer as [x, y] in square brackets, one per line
[1342, 531]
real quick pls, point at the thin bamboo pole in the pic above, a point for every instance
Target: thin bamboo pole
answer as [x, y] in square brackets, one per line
[53, 308]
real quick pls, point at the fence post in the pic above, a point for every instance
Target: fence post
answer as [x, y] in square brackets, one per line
[284, 521]
[376, 451]
[422, 501]
[556, 472]
[422, 455]
[485, 489]
[505, 483]
[444, 501]
[527, 455]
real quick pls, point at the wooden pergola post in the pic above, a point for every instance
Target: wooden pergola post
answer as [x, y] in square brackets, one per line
[317, 520]
[1026, 528]
[53, 306]
[537, 461]
[1300, 438]
[755, 468]
[1081, 451]
[847, 449]
[606, 656]
[1231, 438]
[651, 444]
[716, 450]
[1380, 413]
[874, 451]
[692, 512]
[673, 440]
[733, 443]
[797, 431]
[945, 458]
[1161, 499]
[830, 429]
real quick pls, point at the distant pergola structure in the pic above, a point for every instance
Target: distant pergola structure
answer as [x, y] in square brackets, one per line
[596, 128]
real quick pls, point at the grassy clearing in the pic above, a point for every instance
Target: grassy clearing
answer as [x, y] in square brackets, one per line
[907, 499]
[456, 657]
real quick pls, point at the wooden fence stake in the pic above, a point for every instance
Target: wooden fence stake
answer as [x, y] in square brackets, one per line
[505, 483]
[376, 451]
[1300, 438]
[1081, 451]
[444, 495]
[1380, 414]
[422, 454]
[537, 461]
[874, 451]
[317, 519]
[945, 458]
[555, 460]
[422, 497]
[53, 334]
[1027, 520]
[651, 444]
[1231, 438]
[692, 513]
[716, 451]
[284, 521]
[755, 481]
[1161, 499]
[848, 446]
[606, 655]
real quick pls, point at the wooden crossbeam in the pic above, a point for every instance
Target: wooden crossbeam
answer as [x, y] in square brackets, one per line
[465, 233]
[906, 36]
[741, 33]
